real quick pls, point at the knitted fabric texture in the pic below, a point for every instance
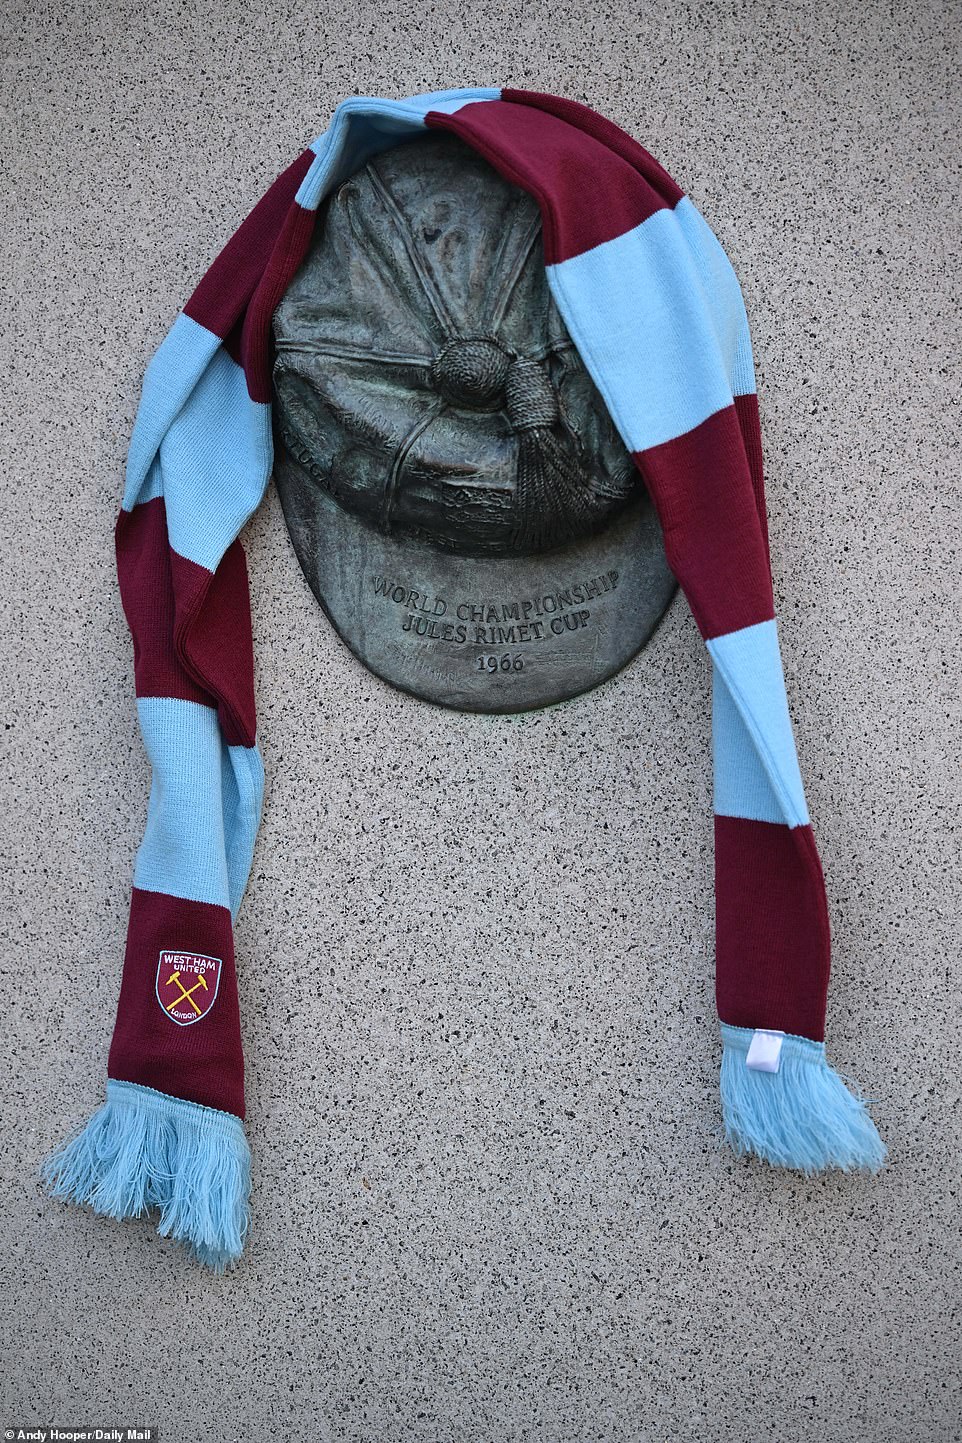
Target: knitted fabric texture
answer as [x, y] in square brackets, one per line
[656, 312]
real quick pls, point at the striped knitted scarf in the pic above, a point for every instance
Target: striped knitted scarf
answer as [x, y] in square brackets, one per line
[656, 313]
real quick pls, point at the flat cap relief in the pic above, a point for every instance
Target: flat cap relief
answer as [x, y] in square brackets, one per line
[432, 413]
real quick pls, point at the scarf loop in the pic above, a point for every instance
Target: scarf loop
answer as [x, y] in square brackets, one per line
[655, 310]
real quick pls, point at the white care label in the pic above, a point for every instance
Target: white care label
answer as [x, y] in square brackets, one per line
[764, 1051]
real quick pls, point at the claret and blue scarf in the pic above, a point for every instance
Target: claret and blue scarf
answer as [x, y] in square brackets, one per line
[656, 313]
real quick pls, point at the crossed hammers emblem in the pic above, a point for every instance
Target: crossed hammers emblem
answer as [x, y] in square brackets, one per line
[185, 992]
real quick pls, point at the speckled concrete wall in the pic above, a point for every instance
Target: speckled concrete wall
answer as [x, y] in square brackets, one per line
[492, 1202]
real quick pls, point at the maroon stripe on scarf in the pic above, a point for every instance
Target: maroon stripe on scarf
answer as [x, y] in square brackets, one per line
[611, 135]
[228, 285]
[748, 419]
[566, 169]
[289, 250]
[708, 502]
[214, 640]
[146, 591]
[771, 924]
[204, 1062]
[191, 630]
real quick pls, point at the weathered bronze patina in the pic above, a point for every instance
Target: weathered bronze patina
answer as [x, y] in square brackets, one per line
[455, 490]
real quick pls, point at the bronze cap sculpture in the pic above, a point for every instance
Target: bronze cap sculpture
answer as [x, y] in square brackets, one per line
[455, 490]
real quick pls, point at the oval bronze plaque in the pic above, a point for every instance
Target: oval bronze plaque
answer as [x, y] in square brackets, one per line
[455, 490]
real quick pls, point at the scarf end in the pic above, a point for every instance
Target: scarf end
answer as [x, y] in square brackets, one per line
[143, 1150]
[800, 1116]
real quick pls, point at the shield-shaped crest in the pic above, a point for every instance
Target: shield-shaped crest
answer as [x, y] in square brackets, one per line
[187, 985]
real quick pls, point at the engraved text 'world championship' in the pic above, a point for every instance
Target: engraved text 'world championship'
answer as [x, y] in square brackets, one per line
[503, 623]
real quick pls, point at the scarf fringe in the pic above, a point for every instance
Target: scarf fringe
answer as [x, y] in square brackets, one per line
[802, 1116]
[144, 1150]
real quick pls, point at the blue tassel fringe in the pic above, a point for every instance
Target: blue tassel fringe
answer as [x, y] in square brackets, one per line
[144, 1150]
[802, 1116]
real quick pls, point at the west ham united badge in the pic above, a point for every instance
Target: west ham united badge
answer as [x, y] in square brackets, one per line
[187, 985]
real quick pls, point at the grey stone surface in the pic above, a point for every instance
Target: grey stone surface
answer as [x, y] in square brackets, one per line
[491, 1199]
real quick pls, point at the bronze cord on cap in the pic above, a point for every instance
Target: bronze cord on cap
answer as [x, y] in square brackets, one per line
[552, 498]
[553, 495]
